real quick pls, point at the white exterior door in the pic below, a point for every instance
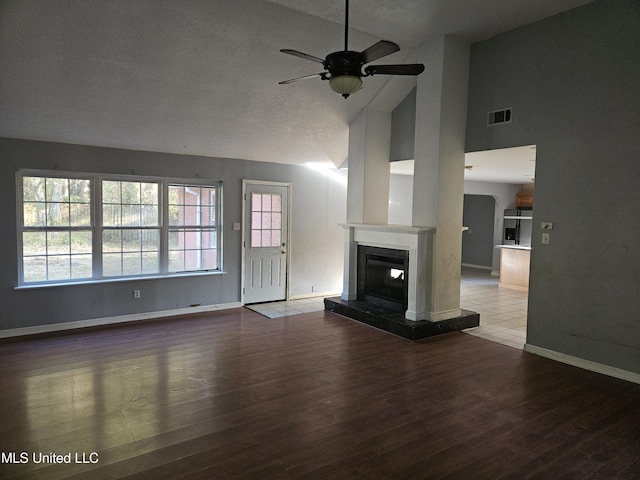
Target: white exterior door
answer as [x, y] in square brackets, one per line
[265, 241]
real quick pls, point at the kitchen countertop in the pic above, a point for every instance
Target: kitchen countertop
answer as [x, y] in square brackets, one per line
[516, 247]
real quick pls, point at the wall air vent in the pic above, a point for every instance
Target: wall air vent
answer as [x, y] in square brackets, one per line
[499, 117]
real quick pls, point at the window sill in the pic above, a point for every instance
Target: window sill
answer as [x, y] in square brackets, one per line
[118, 280]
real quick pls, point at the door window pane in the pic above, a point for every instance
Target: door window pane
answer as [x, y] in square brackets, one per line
[266, 220]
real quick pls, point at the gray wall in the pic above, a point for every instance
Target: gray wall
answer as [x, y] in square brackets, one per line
[504, 195]
[478, 214]
[573, 81]
[403, 129]
[319, 205]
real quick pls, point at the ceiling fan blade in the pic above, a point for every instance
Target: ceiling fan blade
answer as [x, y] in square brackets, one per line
[306, 56]
[378, 50]
[291, 80]
[407, 69]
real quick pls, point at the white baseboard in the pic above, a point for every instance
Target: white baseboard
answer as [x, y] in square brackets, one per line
[98, 322]
[302, 296]
[584, 364]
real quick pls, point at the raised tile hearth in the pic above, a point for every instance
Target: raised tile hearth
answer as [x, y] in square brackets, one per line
[396, 323]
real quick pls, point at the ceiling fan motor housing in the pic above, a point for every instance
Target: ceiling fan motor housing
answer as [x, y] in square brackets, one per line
[344, 63]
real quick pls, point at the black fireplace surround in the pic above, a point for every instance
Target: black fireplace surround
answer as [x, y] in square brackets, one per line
[382, 278]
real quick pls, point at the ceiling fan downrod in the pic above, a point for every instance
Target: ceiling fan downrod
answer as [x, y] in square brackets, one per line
[346, 26]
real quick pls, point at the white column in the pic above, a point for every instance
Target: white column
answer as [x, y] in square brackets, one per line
[350, 276]
[438, 188]
[369, 168]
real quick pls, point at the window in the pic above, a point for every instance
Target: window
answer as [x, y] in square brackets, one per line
[130, 228]
[56, 233]
[93, 228]
[192, 228]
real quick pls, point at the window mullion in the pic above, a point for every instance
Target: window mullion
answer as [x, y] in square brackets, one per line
[20, 221]
[218, 224]
[97, 221]
[163, 213]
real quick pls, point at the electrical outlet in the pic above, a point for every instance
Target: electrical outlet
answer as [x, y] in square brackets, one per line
[136, 294]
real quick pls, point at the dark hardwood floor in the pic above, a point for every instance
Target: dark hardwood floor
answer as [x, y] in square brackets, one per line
[235, 395]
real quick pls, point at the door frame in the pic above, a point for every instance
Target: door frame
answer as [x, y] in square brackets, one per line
[246, 221]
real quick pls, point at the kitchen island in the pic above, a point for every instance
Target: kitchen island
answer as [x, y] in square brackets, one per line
[514, 266]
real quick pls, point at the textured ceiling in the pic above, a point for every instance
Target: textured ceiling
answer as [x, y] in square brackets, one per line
[201, 76]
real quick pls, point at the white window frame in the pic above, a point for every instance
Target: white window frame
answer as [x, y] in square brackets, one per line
[97, 225]
[197, 227]
[48, 228]
[102, 227]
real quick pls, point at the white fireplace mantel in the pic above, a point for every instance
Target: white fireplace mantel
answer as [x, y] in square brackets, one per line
[400, 237]
[418, 241]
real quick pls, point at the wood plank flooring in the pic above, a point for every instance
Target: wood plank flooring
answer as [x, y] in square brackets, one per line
[235, 395]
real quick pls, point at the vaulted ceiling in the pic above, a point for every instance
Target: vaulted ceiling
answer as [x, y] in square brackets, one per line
[201, 76]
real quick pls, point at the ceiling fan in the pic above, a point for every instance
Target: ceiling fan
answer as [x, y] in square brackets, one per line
[344, 69]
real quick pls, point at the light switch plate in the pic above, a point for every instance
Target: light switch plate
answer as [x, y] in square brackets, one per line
[545, 238]
[236, 226]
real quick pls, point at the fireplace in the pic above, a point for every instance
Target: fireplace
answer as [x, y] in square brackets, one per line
[386, 282]
[382, 277]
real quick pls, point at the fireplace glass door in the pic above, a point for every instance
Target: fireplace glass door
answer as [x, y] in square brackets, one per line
[382, 277]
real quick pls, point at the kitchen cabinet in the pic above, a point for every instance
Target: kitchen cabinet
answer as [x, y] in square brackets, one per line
[524, 200]
[514, 267]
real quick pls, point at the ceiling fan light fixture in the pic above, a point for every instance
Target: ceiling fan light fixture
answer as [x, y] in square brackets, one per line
[345, 85]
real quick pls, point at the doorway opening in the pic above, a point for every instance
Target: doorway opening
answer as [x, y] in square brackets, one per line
[492, 177]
